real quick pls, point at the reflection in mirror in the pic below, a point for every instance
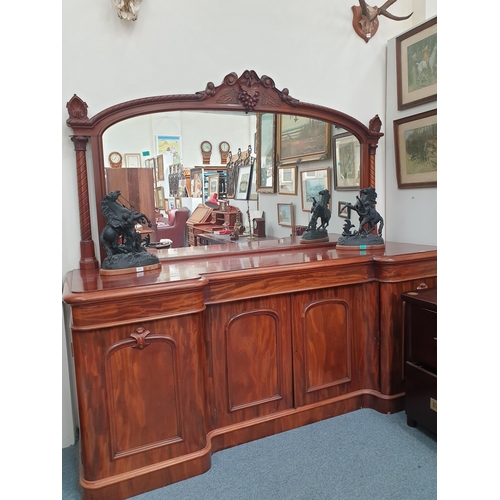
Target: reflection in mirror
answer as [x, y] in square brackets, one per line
[245, 95]
[347, 162]
[177, 167]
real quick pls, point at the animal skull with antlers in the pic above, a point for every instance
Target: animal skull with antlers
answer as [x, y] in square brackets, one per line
[365, 18]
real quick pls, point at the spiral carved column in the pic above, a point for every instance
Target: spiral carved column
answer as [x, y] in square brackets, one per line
[87, 252]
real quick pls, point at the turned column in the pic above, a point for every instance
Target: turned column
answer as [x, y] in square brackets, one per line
[87, 253]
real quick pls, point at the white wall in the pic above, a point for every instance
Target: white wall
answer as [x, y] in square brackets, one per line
[308, 47]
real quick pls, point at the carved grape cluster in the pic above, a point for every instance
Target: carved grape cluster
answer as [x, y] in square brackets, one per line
[250, 100]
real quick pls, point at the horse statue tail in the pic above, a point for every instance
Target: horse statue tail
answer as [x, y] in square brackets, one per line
[380, 226]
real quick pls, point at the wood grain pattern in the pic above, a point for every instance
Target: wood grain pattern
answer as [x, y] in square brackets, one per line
[211, 353]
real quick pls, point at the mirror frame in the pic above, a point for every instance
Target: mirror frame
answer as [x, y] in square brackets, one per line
[247, 93]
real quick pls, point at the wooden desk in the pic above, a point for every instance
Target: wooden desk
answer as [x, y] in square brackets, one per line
[230, 343]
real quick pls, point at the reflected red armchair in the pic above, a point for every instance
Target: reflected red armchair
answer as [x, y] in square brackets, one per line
[175, 229]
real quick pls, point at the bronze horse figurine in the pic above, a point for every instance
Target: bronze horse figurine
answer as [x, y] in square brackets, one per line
[320, 211]
[120, 225]
[368, 215]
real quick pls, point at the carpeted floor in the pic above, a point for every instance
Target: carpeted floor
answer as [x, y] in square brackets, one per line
[363, 455]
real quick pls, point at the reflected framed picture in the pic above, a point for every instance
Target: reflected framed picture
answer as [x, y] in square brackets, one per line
[213, 185]
[160, 198]
[265, 150]
[416, 65]
[301, 139]
[287, 180]
[243, 183]
[161, 168]
[415, 144]
[170, 144]
[312, 182]
[343, 210]
[177, 202]
[132, 160]
[347, 162]
[285, 214]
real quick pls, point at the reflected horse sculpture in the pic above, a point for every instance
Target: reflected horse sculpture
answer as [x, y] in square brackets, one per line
[120, 224]
[320, 211]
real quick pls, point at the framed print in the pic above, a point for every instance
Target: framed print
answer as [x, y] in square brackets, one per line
[343, 210]
[415, 143]
[312, 182]
[177, 202]
[347, 162]
[161, 168]
[416, 65]
[169, 143]
[160, 198]
[287, 180]
[243, 183]
[285, 214]
[213, 185]
[266, 153]
[132, 160]
[301, 139]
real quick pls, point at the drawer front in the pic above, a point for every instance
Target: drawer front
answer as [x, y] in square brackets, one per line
[421, 396]
[422, 336]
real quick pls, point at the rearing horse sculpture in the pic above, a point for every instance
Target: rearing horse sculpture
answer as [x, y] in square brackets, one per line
[320, 210]
[120, 223]
[368, 215]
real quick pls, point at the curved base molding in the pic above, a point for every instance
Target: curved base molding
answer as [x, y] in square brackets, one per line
[155, 476]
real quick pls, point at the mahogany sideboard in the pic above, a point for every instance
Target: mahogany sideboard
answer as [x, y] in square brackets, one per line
[230, 343]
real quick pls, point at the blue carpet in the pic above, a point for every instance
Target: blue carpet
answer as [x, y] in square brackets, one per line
[363, 455]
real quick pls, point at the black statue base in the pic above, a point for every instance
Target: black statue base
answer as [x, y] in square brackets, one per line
[314, 236]
[360, 240]
[130, 262]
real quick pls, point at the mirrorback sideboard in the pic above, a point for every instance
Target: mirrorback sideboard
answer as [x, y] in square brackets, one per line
[219, 348]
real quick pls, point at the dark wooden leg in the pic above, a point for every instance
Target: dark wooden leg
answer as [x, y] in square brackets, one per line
[411, 421]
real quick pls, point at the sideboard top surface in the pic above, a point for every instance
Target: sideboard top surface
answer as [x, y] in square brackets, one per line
[210, 261]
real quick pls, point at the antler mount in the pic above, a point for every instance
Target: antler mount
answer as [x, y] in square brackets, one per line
[365, 18]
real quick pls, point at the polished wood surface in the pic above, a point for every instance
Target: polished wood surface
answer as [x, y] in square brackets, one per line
[219, 348]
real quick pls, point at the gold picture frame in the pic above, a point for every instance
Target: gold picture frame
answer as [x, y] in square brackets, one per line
[285, 214]
[299, 138]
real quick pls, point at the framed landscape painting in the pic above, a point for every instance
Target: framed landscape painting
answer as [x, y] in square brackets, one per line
[285, 214]
[302, 139]
[171, 144]
[415, 143]
[416, 65]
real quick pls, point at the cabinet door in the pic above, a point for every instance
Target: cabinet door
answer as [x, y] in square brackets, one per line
[335, 343]
[251, 350]
[141, 393]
